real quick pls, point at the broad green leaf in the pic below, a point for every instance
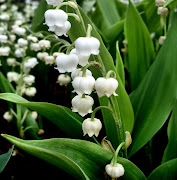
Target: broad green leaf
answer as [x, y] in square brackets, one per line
[104, 58]
[168, 2]
[119, 64]
[140, 46]
[154, 99]
[38, 19]
[61, 116]
[82, 159]
[4, 158]
[165, 171]
[171, 149]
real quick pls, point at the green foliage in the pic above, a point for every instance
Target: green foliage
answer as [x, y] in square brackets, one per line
[151, 106]
[4, 158]
[81, 159]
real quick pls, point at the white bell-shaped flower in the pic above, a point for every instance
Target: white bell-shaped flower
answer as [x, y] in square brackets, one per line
[42, 55]
[4, 17]
[35, 47]
[3, 38]
[55, 17]
[19, 53]
[32, 38]
[115, 171]
[83, 85]
[11, 62]
[83, 59]
[82, 105]
[13, 76]
[8, 116]
[44, 44]
[29, 79]
[106, 87]
[79, 73]
[54, 3]
[22, 42]
[20, 31]
[59, 31]
[162, 11]
[12, 37]
[63, 79]
[86, 46]
[91, 127]
[56, 54]
[31, 91]
[67, 63]
[4, 51]
[49, 60]
[29, 64]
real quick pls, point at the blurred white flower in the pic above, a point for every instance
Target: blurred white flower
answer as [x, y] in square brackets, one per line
[3, 38]
[8, 116]
[22, 42]
[32, 38]
[162, 39]
[4, 17]
[49, 60]
[42, 55]
[4, 51]
[91, 127]
[19, 53]
[20, 31]
[44, 44]
[29, 79]
[11, 62]
[54, 2]
[29, 64]
[34, 115]
[13, 76]
[63, 79]
[31, 91]
[35, 47]
[162, 11]
[82, 105]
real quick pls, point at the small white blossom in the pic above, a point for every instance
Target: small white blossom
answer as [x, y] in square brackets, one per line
[12, 37]
[13, 76]
[91, 127]
[4, 17]
[20, 31]
[55, 17]
[162, 11]
[79, 73]
[54, 2]
[159, 2]
[56, 54]
[29, 79]
[31, 91]
[83, 59]
[34, 115]
[63, 79]
[106, 87]
[44, 44]
[29, 64]
[3, 38]
[32, 38]
[162, 39]
[49, 60]
[8, 116]
[35, 47]
[22, 42]
[83, 85]
[115, 171]
[82, 105]
[86, 46]
[42, 55]
[11, 62]
[66, 63]
[19, 53]
[4, 51]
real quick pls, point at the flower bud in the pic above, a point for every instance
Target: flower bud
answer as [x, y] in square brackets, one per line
[82, 105]
[63, 79]
[35, 47]
[11, 62]
[91, 127]
[106, 87]
[31, 91]
[13, 76]
[32, 38]
[49, 60]
[114, 171]
[159, 2]
[162, 11]
[20, 31]
[8, 116]
[79, 73]
[162, 39]
[86, 46]
[34, 115]
[22, 42]
[128, 140]
[44, 44]
[29, 79]
[3, 38]
[54, 3]
[83, 85]
[55, 17]
[67, 63]
[83, 59]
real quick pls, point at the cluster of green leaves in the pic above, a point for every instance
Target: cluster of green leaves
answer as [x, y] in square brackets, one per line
[151, 81]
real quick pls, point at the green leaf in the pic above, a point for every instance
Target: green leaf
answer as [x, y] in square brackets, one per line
[140, 46]
[168, 2]
[61, 116]
[106, 61]
[82, 159]
[171, 149]
[154, 99]
[119, 64]
[38, 19]
[4, 158]
[165, 171]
